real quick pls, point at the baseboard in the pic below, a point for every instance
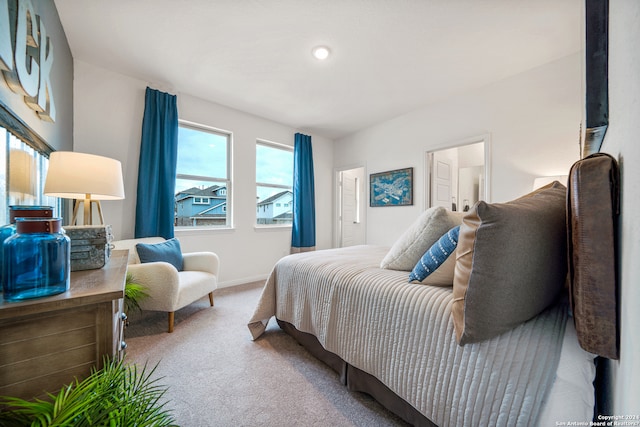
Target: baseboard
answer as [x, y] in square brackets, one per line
[243, 281]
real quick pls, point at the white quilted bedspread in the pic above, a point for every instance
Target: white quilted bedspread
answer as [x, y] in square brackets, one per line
[403, 334]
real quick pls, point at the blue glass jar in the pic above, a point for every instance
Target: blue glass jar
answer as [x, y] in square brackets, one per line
[19, 211]
[37, 259]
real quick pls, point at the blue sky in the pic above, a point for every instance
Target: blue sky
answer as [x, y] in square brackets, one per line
[273, 166]
[203, 153]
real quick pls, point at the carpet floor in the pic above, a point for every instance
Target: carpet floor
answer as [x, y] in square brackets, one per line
[217, 376]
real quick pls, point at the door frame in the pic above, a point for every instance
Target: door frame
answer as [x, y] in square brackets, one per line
[337, 229]
[485, 138]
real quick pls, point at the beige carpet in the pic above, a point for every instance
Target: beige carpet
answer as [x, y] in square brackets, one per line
[217, 376]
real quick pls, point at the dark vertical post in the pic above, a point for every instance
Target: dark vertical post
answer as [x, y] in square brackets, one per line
[597, 80]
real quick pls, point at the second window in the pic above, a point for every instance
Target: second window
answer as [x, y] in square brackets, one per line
[274, 182]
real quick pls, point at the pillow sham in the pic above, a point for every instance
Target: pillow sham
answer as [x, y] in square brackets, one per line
[511, 263]
[419, 237]
[167, 251]
[436, 267]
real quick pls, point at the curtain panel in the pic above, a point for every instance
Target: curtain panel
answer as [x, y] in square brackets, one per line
[303, 232]
[157, 166]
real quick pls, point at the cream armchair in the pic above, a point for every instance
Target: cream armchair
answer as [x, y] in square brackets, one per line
[169, 289]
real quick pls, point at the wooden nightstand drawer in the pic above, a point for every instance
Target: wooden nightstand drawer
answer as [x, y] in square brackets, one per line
[45, 343]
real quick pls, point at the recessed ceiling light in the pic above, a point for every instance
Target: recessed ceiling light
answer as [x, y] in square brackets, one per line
[320, 52]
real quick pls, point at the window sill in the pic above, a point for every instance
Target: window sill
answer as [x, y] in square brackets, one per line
[185, 231]
[272, 227]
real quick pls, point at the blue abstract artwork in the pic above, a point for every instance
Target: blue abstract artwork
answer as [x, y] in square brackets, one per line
[392, 188]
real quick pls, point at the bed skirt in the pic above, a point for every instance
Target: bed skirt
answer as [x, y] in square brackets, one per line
[358, 380]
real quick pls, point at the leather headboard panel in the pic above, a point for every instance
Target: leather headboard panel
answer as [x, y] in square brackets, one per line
[592, 217]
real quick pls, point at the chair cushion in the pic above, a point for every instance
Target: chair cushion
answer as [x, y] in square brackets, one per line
[167, 251]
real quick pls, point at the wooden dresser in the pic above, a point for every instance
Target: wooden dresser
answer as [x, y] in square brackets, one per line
[46, 342]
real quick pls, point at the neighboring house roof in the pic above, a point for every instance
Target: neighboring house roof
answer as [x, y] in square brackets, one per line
[285, 215]
[205, 213]
[213, 207]
[199, 192]
[275, 197]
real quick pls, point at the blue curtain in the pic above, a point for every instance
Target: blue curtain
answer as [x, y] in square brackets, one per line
[157, 166]
[303, 236]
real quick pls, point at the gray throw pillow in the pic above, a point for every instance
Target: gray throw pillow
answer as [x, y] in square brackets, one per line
[511, 263]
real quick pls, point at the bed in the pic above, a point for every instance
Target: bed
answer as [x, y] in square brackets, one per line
[406, 343]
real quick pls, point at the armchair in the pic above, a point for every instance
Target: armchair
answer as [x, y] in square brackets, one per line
[169, 289]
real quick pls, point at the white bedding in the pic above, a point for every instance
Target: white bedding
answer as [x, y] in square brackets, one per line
[403, 334]
[572, 395]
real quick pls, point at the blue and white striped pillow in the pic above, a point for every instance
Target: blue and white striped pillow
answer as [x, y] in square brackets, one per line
[436, 255]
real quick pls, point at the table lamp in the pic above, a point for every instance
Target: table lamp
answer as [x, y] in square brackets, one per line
[87, 178]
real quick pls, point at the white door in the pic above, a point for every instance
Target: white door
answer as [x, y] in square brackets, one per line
[441, 185]
[351, 227]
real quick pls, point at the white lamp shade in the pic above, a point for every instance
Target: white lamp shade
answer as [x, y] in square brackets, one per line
[541, 181]
[73, 175]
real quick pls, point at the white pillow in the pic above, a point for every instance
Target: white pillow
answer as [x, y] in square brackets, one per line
[419, 237]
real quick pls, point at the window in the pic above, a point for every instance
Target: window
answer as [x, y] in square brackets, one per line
[200, 200]
[274, 181]
[203, 186]
[27, 170]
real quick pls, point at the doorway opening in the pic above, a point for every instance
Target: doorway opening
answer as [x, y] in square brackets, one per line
[350, 215]
[458, 176]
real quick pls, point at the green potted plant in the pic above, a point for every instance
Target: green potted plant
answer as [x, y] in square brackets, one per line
[117, 395]
[133, 294]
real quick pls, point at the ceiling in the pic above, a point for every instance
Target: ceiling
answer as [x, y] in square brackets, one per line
[389, 57]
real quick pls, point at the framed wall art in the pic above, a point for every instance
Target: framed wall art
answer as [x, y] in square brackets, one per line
[391, 188]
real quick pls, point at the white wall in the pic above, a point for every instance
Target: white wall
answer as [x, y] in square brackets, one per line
[108, 110]
[533, 120]
[57, 134]
[621, 141]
